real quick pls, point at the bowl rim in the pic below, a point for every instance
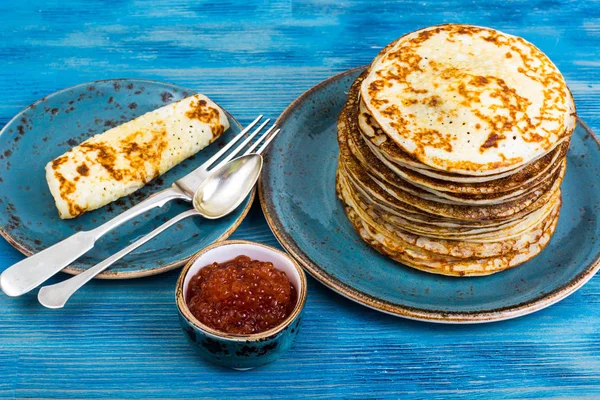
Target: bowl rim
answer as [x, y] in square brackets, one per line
[187, 314]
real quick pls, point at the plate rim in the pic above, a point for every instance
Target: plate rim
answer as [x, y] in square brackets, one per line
[116, 274]
[420, 314]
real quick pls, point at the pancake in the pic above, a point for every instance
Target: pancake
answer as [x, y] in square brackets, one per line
[123, 159]
[394, 158]
[451, 161]
[394, 196]
[473, 234]
[416, 216]
[469, 100]
[410, 255]
[523, 177]
[390, 154]
[463, 268]
[462, 248]
[374, 167]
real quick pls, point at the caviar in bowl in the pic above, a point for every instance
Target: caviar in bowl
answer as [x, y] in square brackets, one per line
[240, 303]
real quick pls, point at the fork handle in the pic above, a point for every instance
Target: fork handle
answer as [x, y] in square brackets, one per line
[156, 200]
[56, 296]
[29, 273]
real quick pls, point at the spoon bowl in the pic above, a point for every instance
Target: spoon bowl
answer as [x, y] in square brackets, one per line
[227, 187]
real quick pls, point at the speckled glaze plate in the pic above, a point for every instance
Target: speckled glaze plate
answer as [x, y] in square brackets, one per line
[49, 127]
[298, 198]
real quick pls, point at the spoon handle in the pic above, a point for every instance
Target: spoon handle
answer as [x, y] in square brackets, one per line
[56, 296]
[31, 272]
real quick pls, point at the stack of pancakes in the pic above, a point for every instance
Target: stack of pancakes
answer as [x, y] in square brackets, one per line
[452, 150]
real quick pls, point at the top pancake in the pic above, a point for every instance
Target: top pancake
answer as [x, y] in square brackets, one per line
[469, 100]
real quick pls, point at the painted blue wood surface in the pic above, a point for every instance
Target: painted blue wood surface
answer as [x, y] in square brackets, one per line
[122, 339]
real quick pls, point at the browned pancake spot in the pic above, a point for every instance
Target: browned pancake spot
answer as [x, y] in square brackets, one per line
[83, 169]
[201, 111]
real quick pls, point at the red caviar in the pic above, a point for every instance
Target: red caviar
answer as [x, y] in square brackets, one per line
[241, 296]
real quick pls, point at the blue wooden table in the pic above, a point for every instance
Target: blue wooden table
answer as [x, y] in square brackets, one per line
[121, 339]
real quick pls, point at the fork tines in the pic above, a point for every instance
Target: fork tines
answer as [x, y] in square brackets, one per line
[208, 164]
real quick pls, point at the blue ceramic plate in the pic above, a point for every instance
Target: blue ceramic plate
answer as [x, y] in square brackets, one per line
[298, 198]
[49, 127]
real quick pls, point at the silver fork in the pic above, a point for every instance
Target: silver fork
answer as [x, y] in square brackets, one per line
[31, 272]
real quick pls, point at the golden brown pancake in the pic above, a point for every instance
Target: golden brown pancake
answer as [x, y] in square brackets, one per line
[445, 165]
[468, 99]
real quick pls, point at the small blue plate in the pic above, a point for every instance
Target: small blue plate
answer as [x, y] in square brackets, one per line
[298, 198]
[51, 126]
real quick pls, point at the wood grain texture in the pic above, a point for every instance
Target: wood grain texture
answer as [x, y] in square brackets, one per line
[122, 339]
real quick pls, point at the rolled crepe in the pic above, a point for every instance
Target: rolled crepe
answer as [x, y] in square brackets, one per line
[121, 160]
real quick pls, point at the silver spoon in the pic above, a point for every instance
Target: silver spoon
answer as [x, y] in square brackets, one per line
[220, 194]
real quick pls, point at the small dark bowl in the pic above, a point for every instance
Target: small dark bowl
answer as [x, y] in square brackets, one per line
[241, 352]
